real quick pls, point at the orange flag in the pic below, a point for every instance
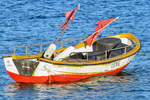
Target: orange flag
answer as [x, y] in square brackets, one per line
[100, 27]
[69, 17]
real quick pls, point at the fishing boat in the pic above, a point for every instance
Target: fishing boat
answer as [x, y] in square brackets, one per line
[90, 57]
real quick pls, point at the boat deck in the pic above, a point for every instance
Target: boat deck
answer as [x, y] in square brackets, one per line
[100, 55]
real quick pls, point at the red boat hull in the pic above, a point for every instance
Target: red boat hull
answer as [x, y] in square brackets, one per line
[65, 78]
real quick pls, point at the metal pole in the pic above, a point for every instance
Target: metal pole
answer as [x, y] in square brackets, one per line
[41, 48]
[62, 44]
[87, 56]
[26, 50]
[14, 51]
[125, 50]
[106, 54]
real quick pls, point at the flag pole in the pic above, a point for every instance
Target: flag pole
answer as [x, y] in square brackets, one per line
[59, 36]
[69, 22]
[102, 28]
[62, 32]
[105, 26]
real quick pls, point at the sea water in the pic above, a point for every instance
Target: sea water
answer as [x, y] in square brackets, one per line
[24, 22]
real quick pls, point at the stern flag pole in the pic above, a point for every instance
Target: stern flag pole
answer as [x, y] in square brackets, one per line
[100, 27]
[69, 17]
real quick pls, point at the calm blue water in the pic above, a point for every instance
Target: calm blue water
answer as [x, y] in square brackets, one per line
[37, 21]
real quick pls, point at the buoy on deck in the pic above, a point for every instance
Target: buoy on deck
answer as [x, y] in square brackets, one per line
[64, 54]
[49, 52]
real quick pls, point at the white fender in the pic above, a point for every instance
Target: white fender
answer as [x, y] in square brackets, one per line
[64, 54]
[50, 51]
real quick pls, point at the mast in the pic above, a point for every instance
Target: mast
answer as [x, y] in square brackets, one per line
[69, 17]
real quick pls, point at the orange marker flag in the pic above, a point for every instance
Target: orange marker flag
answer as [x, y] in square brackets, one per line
[100, 27]
[69, 17]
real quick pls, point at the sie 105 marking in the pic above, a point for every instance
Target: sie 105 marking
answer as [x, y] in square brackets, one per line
[115, 64]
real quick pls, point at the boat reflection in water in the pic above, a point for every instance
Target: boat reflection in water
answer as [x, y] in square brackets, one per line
[97, 86]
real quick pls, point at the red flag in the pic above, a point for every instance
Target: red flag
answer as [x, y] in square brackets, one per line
[100, 27]
[69, 16]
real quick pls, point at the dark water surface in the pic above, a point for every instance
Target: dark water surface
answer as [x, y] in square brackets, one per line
[37, 21]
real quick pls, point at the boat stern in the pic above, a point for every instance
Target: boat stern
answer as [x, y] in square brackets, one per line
[9, 64]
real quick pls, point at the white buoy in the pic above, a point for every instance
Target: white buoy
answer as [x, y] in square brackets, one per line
[126, 41]
[64, 54]
[50, 50]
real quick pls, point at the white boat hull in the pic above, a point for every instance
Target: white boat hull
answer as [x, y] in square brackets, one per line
[47, 72]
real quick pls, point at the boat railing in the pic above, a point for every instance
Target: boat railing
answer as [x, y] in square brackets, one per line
[87, 55]
[41, 45]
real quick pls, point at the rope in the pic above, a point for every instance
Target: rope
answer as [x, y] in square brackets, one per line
[143, 53]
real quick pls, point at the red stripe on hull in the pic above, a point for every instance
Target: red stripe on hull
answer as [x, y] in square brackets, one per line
[65, 78]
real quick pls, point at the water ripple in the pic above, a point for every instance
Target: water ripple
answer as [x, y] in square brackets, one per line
[36, 21]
